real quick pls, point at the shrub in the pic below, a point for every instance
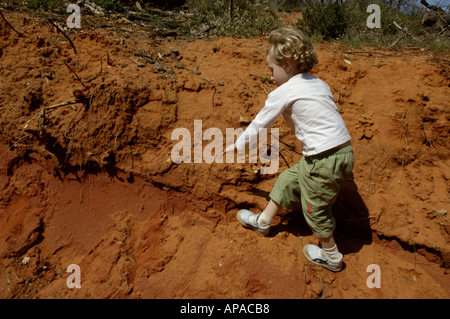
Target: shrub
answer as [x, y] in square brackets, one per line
[237, 18]
[110, 5]
[328, 20]
[43, 4]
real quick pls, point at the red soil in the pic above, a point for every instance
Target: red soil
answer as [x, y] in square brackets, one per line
[95, 186]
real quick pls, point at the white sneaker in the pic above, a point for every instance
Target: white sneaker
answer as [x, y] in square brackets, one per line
[243, 216]
[317, 256]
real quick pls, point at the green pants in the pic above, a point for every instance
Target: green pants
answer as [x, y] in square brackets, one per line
[315, 180]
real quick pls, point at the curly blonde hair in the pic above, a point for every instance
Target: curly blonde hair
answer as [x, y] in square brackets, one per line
[290, 43]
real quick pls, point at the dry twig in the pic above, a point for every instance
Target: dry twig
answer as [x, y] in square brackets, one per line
[405, 33]
[42, 112]
[64, 34]
[74, 73]
[245, 83]
[20, 34]
[263, 89]
[139, 64]
[443, 30]
[370, 53]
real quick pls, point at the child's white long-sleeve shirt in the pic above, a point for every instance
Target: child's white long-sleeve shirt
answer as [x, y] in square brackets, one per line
[309, 109]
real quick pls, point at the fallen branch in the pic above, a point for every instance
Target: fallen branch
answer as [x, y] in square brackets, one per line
[431, 7]
[139, 64]
[42, 112]
[431, 18]
[65, 35]
[443, 30]
[9, 24]
[94, 8]
[370, 53]
[396, 41]
[133, 16]
[405, 31]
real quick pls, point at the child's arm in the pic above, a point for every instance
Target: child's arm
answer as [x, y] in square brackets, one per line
[276, 103]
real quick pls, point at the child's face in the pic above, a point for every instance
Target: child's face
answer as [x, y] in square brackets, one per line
[280, 75]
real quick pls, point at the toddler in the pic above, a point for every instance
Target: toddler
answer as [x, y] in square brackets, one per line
[308, 107]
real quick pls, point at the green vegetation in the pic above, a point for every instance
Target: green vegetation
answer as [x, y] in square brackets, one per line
[43, 4]
[248, 18]
[344, 21]
[328, 20]
[114, 5]
[332, 20]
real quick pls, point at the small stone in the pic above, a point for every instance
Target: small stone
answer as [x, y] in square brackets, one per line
[243, 120]
[441, 212]
[221, 83]
[25, 260]
[157, 66]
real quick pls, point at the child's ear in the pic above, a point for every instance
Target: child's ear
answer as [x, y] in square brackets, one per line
[288, 64]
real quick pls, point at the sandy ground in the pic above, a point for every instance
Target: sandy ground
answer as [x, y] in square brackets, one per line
[93, 183]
